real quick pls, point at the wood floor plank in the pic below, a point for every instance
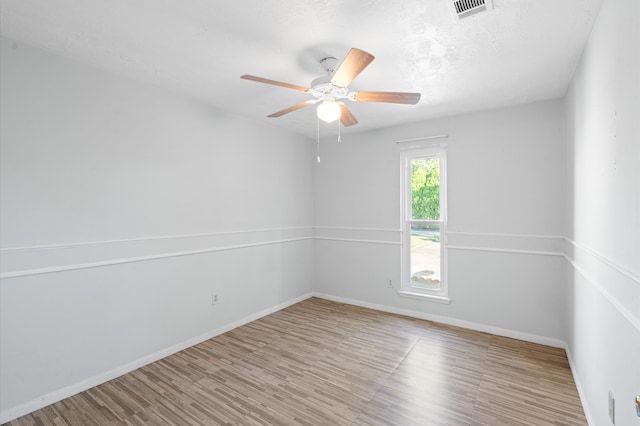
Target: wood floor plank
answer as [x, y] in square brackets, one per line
[320, 362]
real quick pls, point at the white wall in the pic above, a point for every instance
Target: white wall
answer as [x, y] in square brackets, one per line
[603, 206]
[100, 166]
[504, 170]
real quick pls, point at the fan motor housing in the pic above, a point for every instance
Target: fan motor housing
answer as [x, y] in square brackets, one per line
[321, 87]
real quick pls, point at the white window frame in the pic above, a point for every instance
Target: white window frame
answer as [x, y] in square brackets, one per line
[406, 289]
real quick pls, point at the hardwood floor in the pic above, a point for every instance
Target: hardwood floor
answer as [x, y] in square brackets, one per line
[321, 362]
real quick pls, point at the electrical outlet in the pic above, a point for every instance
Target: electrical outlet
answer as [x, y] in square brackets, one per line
[390, 283]
[214, 299]
[612, 408]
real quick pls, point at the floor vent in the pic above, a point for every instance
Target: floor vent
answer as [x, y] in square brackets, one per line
[464, 8]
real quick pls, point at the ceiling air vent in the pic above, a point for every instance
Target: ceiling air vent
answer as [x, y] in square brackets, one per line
[464, 8]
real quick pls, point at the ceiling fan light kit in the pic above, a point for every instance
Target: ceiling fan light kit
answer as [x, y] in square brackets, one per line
[329, 111]
[333, 87]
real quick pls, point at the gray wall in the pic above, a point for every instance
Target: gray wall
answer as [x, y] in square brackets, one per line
[603, 210]
[145, 203]
[506, 273]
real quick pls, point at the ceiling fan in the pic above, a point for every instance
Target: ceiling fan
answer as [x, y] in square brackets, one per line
[332, 88]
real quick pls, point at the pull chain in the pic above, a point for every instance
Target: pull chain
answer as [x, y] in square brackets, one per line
[339, 127]
[318, 144]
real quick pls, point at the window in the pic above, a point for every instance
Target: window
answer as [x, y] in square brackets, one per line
[424, 273]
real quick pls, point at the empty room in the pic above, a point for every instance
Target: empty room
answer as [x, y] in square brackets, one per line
[320, 212]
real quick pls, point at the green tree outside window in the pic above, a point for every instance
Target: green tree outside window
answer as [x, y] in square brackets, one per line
[425, 188]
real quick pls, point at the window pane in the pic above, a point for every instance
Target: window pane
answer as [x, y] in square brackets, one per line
[425, 188]
[425, 256]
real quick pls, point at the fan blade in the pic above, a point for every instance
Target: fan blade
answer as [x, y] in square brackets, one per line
[290, 109]
[352, 65]
[346, 117]
[390, 97]
[275, 83]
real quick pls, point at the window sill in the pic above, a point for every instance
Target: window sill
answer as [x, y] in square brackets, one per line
[427, 297]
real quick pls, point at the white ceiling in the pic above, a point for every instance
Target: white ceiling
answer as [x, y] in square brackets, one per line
[521, 51]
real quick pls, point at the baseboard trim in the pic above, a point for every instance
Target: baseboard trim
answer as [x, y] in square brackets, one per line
[581, 394]
[67, 391]
[470, 325]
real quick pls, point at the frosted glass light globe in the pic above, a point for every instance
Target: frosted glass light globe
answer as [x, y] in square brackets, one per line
[329, 111]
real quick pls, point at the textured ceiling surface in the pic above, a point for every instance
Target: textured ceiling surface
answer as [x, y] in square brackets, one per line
[518, 52]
